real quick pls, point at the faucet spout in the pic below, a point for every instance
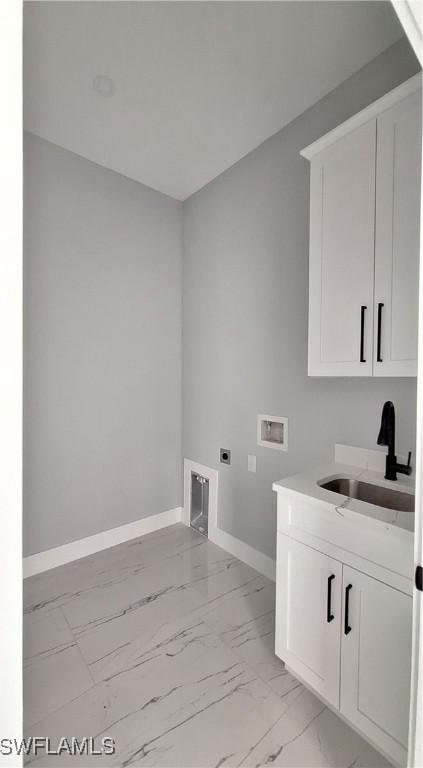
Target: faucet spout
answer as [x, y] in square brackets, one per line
[387, 437]
[387, 427]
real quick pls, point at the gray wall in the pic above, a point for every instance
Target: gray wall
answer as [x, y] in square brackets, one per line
[102, 333]
[245, 306]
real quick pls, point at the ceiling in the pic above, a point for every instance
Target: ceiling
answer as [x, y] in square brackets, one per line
[194, 85]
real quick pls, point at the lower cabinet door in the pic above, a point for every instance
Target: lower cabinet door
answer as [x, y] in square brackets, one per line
[376, 661]
[308, 615]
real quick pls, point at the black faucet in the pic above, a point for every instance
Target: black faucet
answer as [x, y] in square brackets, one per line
[387, 437]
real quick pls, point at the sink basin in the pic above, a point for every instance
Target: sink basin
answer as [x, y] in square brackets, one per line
[372, 494]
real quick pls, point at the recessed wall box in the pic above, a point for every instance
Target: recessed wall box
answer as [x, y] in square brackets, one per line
[272, 432]
[199, 518]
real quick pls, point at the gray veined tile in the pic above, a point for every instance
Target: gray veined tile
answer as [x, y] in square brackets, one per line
[162, 649]
[99, 571]
[236, 607]
[84, 715]
[104, 641]
[91, 608]
[52, 681]
[198, 690]
[309, 735]
[54, 671]
[177, 636]
[222, 577]
[290, 742]
[182, 699]
[344, 747]
[179, 543]
[45, 632]
[105, 622]
[254, 642]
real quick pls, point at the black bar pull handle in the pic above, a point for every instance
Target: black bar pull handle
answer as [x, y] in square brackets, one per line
[379, 331]
[362, 358]
[329, 615]
[347, 628]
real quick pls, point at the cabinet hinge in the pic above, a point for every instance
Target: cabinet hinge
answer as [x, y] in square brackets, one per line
[419, 578]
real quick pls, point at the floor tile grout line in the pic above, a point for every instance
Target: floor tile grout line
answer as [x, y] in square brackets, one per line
[79, 650]
[89, 558]
[217, 638]
[256, 672]
[65, 704]
[281, 696]
[242, 763]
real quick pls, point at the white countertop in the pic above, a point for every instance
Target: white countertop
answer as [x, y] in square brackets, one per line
[306, 484]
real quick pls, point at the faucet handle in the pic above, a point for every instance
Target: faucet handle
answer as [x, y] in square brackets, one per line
[405, 469]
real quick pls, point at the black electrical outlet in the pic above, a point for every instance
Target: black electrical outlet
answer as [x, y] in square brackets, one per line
[225, 456]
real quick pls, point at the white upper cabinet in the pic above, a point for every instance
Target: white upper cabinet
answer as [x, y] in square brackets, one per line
[342, 256]
[364, 240]
[397, 238]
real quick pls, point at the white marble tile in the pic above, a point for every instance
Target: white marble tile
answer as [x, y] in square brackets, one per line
[45, 632]
[238, 605]
[165, 644]
[105, 620]
[91, 574]
[105, 642]
[52, 681]
[308, 735]
[223, 578]
[134, 588]
[176, 694]
[254, 642]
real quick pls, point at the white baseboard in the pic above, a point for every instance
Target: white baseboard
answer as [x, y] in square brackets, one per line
[66, 553]
[252, 557]
[51, 558]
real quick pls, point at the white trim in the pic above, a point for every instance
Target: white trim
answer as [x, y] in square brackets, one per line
[410, 14]
[11, 375]
[369, 113]
[249, 555]
[213, 477]
[66, 553]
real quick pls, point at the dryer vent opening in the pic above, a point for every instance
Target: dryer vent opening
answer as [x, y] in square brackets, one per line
[199, 503]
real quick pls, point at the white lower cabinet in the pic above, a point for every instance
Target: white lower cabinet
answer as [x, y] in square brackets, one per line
[308, 611]
[376, 661]
[348, 637]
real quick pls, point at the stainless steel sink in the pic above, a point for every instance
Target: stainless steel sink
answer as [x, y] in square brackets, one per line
[372, 494]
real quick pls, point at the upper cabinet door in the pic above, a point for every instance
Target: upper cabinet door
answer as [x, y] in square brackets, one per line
[397, 238]
[342, 233]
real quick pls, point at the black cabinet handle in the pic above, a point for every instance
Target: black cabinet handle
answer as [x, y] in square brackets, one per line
[329, 615]
[362, 358]
[347, 628]
[379, 330]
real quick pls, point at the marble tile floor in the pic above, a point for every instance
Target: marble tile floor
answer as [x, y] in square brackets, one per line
[165, 644]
